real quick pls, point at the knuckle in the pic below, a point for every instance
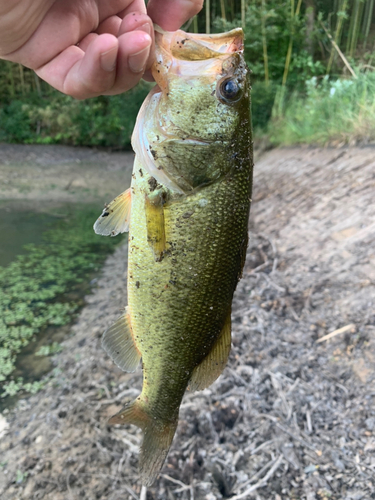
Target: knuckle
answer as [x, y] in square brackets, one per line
[83, 90]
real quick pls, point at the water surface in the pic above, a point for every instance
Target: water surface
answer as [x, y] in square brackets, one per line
[20, 227]
[61, 236]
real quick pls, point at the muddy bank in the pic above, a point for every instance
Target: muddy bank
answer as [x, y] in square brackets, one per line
[293, 415]
[54, 175]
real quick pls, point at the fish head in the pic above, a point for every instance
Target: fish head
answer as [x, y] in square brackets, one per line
[199, 109]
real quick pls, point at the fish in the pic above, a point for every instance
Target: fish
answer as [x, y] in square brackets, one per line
[187, 214]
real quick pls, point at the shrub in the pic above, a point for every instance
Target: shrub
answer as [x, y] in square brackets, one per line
[341, 110]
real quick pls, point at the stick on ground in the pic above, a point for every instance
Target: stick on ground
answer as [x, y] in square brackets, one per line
[336, 332]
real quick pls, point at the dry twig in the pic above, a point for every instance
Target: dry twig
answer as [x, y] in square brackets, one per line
[143, 493]
[262, 482]
[336, 332]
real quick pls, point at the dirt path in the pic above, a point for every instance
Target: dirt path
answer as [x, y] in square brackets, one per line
[291, 418]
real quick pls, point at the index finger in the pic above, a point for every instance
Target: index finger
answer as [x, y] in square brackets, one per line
[172, 14]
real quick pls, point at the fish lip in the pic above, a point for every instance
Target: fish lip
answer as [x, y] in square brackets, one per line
[212, 45]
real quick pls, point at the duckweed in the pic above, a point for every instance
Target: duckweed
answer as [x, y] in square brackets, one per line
[39, 288]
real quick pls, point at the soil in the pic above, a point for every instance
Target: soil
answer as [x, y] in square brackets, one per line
[292, 416]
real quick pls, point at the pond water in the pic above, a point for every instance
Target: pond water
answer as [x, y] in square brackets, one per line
[18, 228]
[65, 255]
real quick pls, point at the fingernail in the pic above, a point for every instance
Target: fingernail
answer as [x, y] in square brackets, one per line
[108, 59]
[146, 28]
[137, 61]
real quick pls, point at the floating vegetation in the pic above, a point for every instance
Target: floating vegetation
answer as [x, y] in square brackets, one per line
[39, 289]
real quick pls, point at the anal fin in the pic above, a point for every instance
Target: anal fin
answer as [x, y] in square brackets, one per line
[214, 363]
[155, 224]
[118, 342]
[115, 217]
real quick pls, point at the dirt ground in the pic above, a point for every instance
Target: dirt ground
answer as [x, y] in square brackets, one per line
[293, 415]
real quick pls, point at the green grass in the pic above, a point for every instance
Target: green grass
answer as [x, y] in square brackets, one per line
[35, 288]
[329, 112]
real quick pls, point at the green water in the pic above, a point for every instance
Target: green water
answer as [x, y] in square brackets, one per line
[18, 228]
[47, 261]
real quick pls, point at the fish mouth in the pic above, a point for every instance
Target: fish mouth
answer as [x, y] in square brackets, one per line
[175, 51]
[199, 46]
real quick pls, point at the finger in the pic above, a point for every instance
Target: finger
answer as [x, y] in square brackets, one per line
[130, 64]
[136, 21]
[172, 14]
[84, 74]
[110, 25]
[139, 22]
[85, 42]
[60, 25]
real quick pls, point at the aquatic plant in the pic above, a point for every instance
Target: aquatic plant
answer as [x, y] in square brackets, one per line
[36, 288]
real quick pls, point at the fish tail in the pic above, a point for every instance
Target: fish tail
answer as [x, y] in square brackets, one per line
[157, 439]
[154, 449]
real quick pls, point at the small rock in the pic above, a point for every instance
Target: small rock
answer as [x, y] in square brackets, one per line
[370, 423]
[28, 489]
[3, 426]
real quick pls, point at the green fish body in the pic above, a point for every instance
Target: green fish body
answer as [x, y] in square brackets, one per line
[187, 212]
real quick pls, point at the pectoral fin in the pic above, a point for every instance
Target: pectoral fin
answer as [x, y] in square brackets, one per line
[116, 216]
[214, 363]
[118, 342]
[155, 224]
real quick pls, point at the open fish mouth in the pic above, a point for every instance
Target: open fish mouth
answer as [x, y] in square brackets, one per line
[176, 50]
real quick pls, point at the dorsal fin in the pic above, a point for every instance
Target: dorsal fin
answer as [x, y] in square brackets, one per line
[214, 363]
[115, 217]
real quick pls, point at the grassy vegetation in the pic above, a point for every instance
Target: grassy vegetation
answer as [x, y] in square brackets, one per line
[34, 289]
[288, 43]
[330, 111]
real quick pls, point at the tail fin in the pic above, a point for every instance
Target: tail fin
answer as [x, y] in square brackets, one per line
[157, 440]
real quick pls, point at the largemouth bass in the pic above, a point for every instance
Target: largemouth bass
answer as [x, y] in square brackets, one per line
[186, 212]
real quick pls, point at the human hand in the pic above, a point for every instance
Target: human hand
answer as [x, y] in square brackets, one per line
[87, 48]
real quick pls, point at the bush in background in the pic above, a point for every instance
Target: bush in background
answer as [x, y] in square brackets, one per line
[59, 119]
[340, 111]
[290, 47]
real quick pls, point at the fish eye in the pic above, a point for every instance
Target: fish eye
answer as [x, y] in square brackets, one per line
[228, 90]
